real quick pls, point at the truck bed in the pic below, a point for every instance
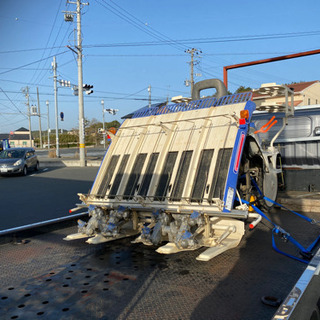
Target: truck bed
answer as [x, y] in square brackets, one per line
[45, 277]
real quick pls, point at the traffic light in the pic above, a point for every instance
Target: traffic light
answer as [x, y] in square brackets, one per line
[112, 111]
[34, 111]
[88, 88]
[64, 83]
[75, 90]
[61, 116]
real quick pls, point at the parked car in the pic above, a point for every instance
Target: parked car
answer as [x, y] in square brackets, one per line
[18, 161]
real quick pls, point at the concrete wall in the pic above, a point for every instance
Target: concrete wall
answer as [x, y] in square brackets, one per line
[311, 95]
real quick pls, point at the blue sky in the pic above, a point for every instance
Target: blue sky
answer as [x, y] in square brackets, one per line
[125, 52]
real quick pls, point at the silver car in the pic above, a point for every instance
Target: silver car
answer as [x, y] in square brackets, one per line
[18, 161]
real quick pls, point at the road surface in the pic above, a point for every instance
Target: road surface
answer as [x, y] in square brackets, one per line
[43, 195]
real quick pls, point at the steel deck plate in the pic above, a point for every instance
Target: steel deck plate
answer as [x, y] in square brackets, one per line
[54, 279]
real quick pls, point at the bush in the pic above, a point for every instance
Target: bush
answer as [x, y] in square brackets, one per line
[52, 153]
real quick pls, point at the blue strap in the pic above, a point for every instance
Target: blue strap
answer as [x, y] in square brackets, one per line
[313, 244]
[274, 246]
[296, 213]
[257, 210]
[277, 230]
[255, 184]
[278, 204]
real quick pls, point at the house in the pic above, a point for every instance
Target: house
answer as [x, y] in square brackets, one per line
[18, 138]
[305, 94]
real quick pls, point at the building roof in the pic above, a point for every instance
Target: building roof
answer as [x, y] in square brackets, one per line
[22, 129]
[296, 87]
[4, 136]
[19, 137]
[20, 134]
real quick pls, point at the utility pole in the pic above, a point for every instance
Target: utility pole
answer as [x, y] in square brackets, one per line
[47, 103]
[39, 114]
[54, 67]
[26, 91]
[192, 52]
[149, 90]
[80, 88]
[103, 125]
[69, 17]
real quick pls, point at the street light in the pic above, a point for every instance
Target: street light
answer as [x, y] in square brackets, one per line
[47, 103]
[104, 134]
[111, 111]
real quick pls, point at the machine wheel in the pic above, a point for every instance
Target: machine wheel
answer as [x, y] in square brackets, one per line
[268, 185]
[270, 189]
[36, 168]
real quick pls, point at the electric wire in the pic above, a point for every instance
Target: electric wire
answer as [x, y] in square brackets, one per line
[176, 42]
[197, 41]
[44, 51]
[137, 23]
[11, 101]
[29, 64]
[62, 41]
[187, 41]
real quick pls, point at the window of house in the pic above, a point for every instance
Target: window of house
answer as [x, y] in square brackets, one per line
[309, 101]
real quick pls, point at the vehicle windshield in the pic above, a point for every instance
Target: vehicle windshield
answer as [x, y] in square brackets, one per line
[11, 154]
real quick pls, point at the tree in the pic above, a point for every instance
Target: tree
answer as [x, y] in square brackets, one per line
[112, 124]
[243, 89]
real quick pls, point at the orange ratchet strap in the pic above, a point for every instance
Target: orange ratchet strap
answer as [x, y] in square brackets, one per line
[265, 128]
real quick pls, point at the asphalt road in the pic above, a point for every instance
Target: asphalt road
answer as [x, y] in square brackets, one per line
[43, 195]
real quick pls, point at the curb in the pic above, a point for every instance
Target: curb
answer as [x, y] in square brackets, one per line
[300, 202]
[69, 163]
[304, 205]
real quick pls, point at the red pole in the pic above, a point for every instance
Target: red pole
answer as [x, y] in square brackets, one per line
[252, 63]
[225, 77]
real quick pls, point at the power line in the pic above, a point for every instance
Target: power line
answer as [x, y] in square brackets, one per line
[12, 102]
[29, 64]
[137, 23]
[27, 50]
[12, 123]
[27, 69]
[187, 41]
[43, 53]
[209, 40]
[182, 55]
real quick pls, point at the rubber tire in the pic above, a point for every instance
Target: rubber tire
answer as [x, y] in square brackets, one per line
[24, 171]
[273, 181]
[36, 168]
